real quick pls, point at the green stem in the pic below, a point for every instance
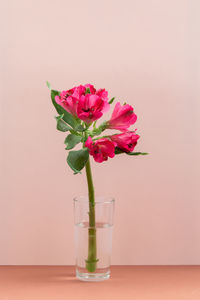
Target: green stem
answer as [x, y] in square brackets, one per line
[101, 137]
[92, 259]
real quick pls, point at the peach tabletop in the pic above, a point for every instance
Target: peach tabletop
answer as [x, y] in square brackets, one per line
[127, 282]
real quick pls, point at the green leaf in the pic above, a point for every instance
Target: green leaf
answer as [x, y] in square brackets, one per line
[77, 159]
[137, 153]
[48, 85]
[67, 117]
[111, 100]
[79, 127]
[119, 151]
[71, 141]
[87, 91]
[61, 125]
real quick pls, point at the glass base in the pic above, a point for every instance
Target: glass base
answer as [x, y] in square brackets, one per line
[92, 276]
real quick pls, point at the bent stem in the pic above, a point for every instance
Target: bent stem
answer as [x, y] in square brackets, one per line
[91, 260]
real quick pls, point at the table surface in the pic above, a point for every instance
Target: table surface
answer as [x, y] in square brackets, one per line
[126, 282]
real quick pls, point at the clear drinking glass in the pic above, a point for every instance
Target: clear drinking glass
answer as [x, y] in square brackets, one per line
[104, 209]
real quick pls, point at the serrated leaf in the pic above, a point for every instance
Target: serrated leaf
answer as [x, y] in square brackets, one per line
[77, 159]
[61, 125]
[71, 141]
[67, 117]
[111, 100]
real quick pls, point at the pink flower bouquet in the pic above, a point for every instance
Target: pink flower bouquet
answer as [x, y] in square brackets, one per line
[79, 109]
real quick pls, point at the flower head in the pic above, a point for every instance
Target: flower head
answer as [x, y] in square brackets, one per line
[125, 141]
[86, 106]
[69, 99]
[101, 149]
[91, 107]
[122, 117]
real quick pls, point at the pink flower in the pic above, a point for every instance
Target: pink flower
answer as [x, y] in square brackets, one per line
[91, 107]
[125, 141]
[67, 102]
[69, 99]
[100, 149]
[122, 117]
[87, 107]
[103, 94]
[77, 91]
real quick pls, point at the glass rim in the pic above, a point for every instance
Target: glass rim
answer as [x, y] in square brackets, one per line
[100, 199]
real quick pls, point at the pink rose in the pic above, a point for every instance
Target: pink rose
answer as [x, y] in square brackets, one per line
[91, 107]
[122, 117]
[100, 149]
[125, 141]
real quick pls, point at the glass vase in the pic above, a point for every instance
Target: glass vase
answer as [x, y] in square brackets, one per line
[93, 244]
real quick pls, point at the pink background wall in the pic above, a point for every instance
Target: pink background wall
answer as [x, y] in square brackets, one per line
[143, 52]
